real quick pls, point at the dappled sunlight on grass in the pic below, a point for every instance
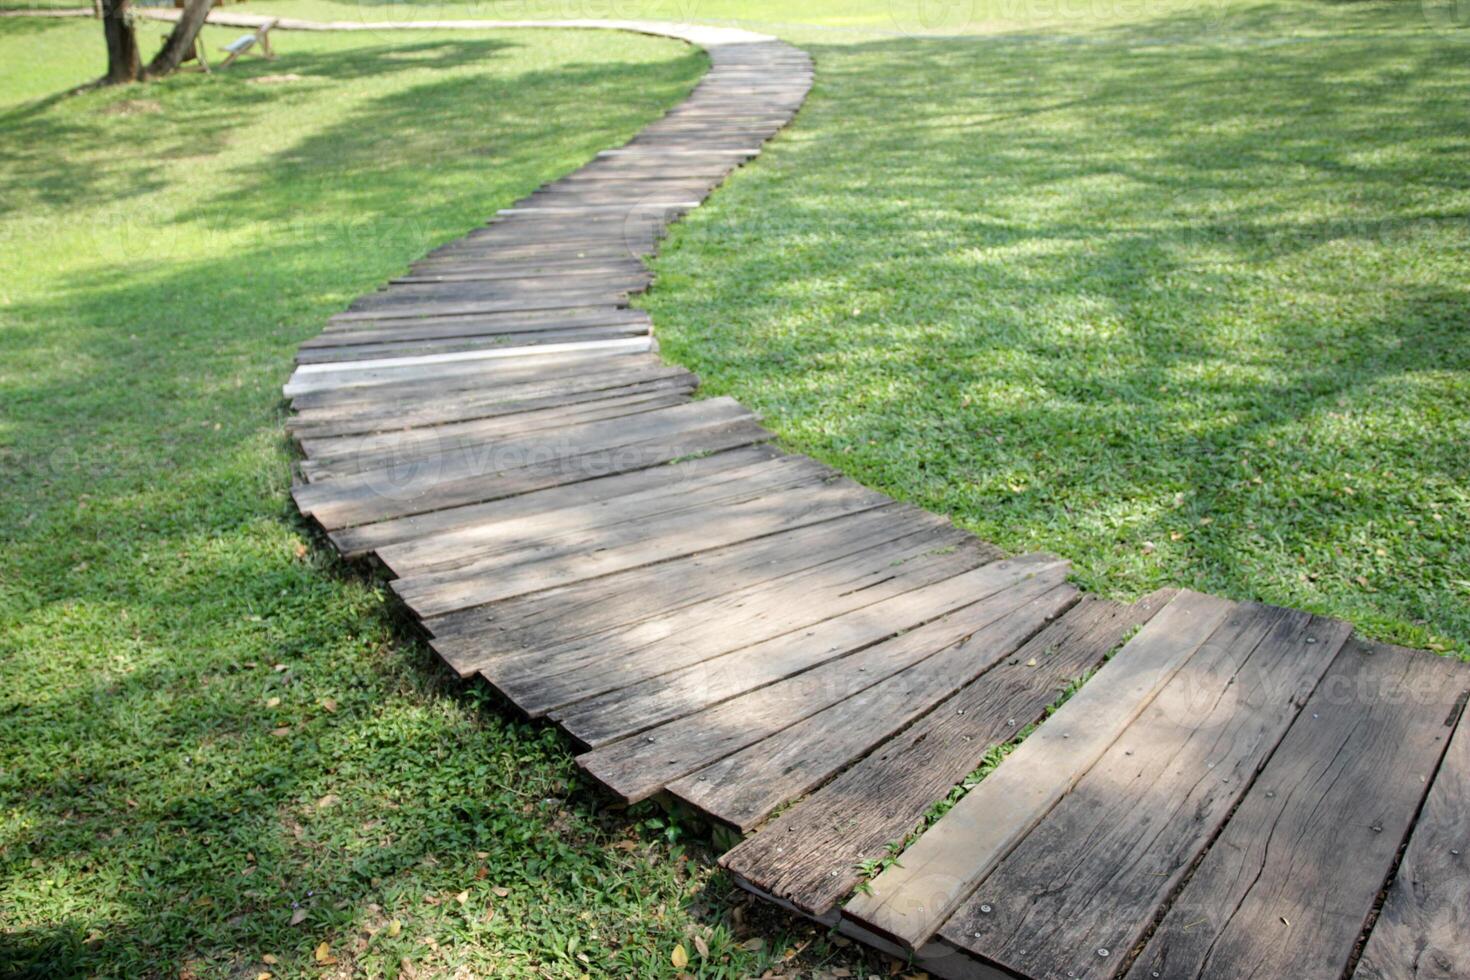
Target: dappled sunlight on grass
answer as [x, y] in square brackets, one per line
[219, 743]
[1188, 313]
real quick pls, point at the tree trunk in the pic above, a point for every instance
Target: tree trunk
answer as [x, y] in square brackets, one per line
[123, 64]
[180, 42]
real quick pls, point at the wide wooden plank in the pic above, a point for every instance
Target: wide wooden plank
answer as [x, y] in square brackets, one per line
[364, 387]
[332, 501]
[411, 444]
[308, 378]
[907, 903]
[496, 419]
[743, 789]
[565, 673]
[330, 422]
[674, 694]
[604, 552]
[369, 503]
[490, 455]
[550, 299]
[1423, 930]
[865, 544]
[1288, 886]
[1092, 875]
[431, 527]
[398, 329]
[635, 520]
[684, 490]
[411, 293]
[809, 855]
[415, 348]
[635, 768]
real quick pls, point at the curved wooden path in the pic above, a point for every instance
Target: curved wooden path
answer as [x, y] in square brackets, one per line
[1240, 790]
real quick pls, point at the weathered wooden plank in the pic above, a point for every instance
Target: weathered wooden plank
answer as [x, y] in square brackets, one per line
[403, 410]
[369, 503]
[810, 854]
[558, 299]
[634, 520]
[909, 902]
[673, 694]
[325, 498]
[308, 378]
[1423, 931]
[400, 330]
[604, 551]
[463, 407]
[418, 348]
[1092, 875]
[395, 298]
[408, 445]
[531, 269]
[635, 768]
[565, 673]
[364, 388]
[866, 544]
[1288, 886]
[427, 527]
[682, 490]
[743, 789]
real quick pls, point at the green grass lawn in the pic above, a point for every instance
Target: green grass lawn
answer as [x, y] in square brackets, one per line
[1178, 291]
[207, 729]
[1187, 304]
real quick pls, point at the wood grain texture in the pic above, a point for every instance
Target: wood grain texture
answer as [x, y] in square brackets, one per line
[1095, 871]
[860, 550]
[1288, 886]
[1423, 931]
[675, 693]
[910, 901]
[745, 788]
[810, 854]
[562, 674]
[639, 766]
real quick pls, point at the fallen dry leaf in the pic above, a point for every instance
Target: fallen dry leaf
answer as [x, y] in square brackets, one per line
[500, 892]
[462, 897]
[701, 946]
[324, 955]
[329, 705]
[394, 928]
[679, 958]
[298, 917]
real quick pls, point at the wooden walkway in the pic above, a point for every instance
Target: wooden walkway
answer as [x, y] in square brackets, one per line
[1239, 790]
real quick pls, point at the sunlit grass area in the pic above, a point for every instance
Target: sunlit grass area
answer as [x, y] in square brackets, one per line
[217, 745]
[1185, 303]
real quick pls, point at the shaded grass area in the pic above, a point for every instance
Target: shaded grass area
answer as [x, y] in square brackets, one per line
[216, 745]
[1186, 304]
